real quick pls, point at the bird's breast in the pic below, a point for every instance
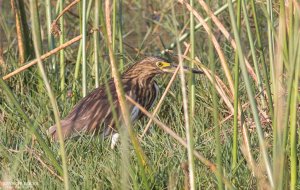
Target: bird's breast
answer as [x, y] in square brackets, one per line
[146, 97]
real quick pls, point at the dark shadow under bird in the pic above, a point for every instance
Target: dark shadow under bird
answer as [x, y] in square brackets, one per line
[94, 114]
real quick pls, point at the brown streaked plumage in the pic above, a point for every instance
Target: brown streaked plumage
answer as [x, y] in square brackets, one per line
[94, 114]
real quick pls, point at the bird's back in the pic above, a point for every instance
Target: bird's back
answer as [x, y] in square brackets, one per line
[94, 112]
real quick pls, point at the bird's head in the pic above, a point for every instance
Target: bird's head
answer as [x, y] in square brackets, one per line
[151, 66]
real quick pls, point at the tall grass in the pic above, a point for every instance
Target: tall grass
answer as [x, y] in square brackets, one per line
[238, 124]
[190, 126]
[37, 48]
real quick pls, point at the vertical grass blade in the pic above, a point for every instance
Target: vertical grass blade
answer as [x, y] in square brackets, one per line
[281, 99]
[51, 42]
[295, 99]
[84, 40]
[36, 21]
[62, 53]
[192, 65]
[21, 48]
[251, 96]
[96, 42]
[253, 52]
[185, 108]
[262, 58]
[293, 124]
[79, 53]
[114, 24]
[218, 152]
[236, 96]
[189, 130]
[51, 96]
[120, 34]
[141, 157]
[25, 30]
[271, 38]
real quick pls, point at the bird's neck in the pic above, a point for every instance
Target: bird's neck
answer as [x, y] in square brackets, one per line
[140, 81]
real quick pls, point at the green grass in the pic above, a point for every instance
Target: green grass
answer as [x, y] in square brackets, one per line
[150, 26]
[90, 161]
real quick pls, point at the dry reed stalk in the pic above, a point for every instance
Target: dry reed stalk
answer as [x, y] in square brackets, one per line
[169, 131]
[19, 32]
[55, 28]
[163, 96]
[44, 56]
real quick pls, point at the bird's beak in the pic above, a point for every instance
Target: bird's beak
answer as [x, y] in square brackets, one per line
[172, 68]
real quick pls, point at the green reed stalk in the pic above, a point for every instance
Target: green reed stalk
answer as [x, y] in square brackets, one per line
[271, 39]
[141, 157]
[192, 65]
[76, 71]
[236, 96]
[251, 96]
[124, 140]
[52, 98]
[78, 58]
[107, 89]
[26, 38]
[215, 111]
[253, 52]
[281, 100]
[293, 122]
[62, 53]
[114, 25]
[262, 58]
[51, 42]
[84, 61]
[189, 130]
[36, 22]
[96, 42]
[292, 67]
[120, 34]
[79, 54]
[293, 106]
[185, 107]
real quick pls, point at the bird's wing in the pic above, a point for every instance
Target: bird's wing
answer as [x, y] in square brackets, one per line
[145, 97]
[92, 112]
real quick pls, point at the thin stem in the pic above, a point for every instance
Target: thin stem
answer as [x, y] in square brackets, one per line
[114, 25]
[185, 108]
[293, 125]
[51, 41]
[62, 53]
[44, 56]
[52, 99]
[84, 63]
[141, 157]
[181, 141]
[264, 65]
[215, 111]
[192, 102]
[236, 96]
[251, 97]
[120, 33]
[253, 52]
[96, 42]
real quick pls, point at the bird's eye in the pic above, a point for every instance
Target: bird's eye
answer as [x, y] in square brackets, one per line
[159, 64]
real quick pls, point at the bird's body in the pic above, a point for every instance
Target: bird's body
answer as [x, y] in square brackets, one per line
[94, 114]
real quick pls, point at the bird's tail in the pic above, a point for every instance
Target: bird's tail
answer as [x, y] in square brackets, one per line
[65, 127]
